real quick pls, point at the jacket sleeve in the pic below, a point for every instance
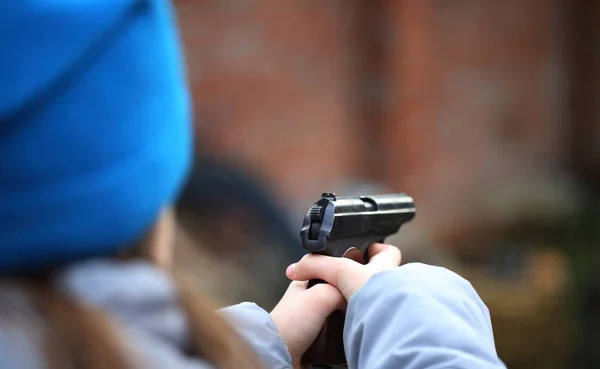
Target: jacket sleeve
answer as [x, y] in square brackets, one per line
[419, 316]
[258, 329]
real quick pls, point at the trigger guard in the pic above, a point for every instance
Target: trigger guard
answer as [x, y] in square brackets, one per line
[354, 254]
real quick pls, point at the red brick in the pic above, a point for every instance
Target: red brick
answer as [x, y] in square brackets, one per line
[451, 102]
[269, 81]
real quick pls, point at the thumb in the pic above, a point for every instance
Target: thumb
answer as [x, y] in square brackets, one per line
[327, 298]
[335, 271]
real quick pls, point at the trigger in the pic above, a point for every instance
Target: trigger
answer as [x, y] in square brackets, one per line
[354, 254]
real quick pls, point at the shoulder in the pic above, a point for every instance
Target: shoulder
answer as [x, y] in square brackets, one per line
[24, 335]
[22, 331]
[145, 350]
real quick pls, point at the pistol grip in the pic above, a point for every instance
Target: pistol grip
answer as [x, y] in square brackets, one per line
[328, 348]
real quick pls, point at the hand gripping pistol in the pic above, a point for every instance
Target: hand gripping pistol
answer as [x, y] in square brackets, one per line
[345, 227]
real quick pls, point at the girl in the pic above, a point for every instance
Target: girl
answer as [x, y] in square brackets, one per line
[95, 142]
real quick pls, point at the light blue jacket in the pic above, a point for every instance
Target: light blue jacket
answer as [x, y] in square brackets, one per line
[413, 317]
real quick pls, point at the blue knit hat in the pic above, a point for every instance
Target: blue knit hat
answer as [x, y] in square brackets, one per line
[94, 127]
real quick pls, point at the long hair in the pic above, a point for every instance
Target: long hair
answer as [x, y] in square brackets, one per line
[78, 336]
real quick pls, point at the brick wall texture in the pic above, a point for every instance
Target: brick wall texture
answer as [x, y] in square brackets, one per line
[450, 101]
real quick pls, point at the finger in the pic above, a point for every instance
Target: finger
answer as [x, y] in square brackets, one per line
[384, 256]
[289, 271]
[327, 268]
[327, 297]
[298, 286]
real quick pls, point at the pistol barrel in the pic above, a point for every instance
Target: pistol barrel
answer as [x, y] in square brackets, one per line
[355, 219]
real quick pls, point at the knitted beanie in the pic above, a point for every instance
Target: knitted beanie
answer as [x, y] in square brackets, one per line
[95, 134]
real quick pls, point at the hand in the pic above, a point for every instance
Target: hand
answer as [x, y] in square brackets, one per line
[301, 313]
[345, 274]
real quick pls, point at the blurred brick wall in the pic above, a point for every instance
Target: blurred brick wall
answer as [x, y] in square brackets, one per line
[452, 101]
[476, 102]
[271, 83]
[474, 77]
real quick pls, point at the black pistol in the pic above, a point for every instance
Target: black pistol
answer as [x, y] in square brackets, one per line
[345, 227]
